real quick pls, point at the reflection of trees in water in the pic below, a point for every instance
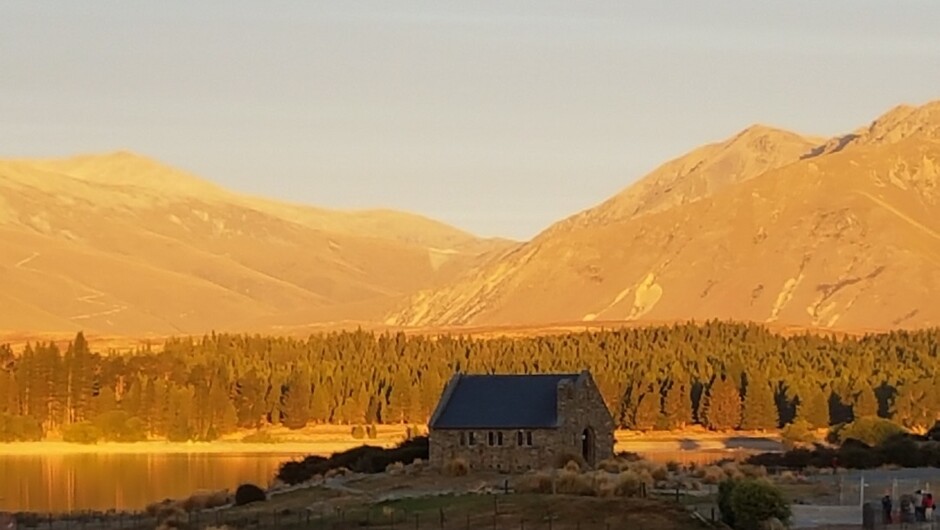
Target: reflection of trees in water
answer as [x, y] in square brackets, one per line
[58, 483]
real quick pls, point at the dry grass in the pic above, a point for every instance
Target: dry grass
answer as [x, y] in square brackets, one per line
[592, 483]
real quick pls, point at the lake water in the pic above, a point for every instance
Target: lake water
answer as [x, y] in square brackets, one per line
[76, 482]
[79, 482]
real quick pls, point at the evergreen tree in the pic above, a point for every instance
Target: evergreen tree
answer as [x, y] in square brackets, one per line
[866, 404]
[813, 407]
[760, 409]
[722, 405]
[398, 399]
[296, 403]
[677, 405]
[79, 376]
[648, 410]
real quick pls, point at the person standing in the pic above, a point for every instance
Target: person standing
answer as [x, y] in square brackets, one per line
[918, 506]
[886, 508]
[928, 507]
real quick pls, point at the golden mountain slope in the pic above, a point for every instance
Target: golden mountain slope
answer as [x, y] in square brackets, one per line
[121, 244]
[845, 237]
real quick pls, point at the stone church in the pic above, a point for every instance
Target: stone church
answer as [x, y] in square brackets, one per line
[514, 423]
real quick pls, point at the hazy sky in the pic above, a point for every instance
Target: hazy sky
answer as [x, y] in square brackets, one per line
[498, 117]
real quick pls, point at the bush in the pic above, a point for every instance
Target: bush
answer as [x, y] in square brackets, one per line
[119, 426]
[748, 504]
[81, 433]
[870, 430]
[725, 490]
[372, 432]
[573, 483]
[362, 459]
[358, 433]
[755, 501]
[205, 500]
[19, 429]
[562, 460]
[249, 493]
[797, 433]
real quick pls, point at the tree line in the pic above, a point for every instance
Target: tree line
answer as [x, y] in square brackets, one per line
[717, 374]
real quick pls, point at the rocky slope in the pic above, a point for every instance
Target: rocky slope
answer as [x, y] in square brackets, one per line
[122, 244]
[767, 226]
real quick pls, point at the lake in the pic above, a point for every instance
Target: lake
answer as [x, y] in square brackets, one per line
[76, 482]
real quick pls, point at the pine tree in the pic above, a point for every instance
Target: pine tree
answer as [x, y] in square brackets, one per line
[296, 403]
[399, 399]
[760, 409]
[813, 407]
[249, 397]
[865, 404]
[320, 402]
[721, 409]
[79, 379]
[677, 405]
[648, 410]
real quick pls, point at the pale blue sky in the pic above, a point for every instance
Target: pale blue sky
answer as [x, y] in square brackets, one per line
[498, 117]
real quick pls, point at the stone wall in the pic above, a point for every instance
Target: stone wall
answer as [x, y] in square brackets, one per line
[445, 446]
[580, 408]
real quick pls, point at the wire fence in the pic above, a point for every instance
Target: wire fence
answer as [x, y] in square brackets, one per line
[286, 520]
[498, 514]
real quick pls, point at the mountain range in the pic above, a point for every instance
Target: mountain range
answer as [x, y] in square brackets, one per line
[766, 226]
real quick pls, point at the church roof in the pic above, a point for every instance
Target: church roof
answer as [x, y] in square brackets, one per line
[500, 402]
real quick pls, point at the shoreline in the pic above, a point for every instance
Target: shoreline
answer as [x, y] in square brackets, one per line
[53, 448]
[321, 443]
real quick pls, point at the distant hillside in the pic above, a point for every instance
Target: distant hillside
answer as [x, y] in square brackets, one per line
[766, 226]
[121, 244]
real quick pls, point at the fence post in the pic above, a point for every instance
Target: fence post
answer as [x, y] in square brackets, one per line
[417, 526]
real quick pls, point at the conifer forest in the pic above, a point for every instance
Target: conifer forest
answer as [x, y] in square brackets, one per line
[721, 375]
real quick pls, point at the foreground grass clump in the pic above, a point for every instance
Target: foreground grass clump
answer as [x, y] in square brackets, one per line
[362, 459]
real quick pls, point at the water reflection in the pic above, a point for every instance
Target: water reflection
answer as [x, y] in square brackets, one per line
[62, 483]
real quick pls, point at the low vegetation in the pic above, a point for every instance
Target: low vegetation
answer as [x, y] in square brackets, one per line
[749, 504]
[363, 459]
[864, 444]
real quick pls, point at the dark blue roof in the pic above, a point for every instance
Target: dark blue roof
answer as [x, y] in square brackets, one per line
[500, 402]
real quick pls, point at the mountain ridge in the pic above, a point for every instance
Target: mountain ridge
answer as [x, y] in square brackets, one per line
[706, 256]
[123, 244]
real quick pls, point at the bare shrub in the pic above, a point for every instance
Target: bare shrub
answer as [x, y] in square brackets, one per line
[751, 471]
[610, 465]
[659, 474]
[712, 475]
[538, 482]
[573, 483]
[205, 499]
[395, 468]
[732, 470]
[561, 461]
[572, 467]
[629, 484]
